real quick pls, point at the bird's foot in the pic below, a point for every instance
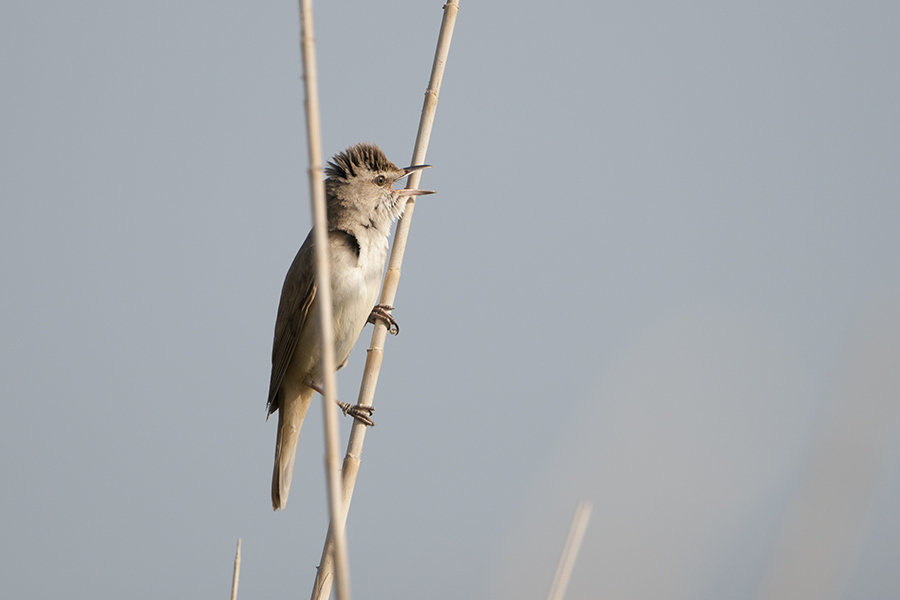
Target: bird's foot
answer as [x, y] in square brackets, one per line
[383, 312]
[361, 413]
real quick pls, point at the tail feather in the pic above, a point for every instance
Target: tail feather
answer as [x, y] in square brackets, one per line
[290, 418]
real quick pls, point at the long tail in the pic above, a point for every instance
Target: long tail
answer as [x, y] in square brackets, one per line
[290, 419]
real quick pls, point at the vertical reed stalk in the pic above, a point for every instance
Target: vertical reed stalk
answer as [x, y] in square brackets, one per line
[570, 551]
[323, 300]
[237, 571]
[322, 587]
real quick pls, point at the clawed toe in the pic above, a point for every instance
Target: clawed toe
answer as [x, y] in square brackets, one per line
[361, 413]
[382, 311]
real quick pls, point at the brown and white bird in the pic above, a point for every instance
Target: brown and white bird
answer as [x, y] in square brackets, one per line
[361, 206]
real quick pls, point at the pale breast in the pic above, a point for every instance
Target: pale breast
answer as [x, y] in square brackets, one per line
[356, 283]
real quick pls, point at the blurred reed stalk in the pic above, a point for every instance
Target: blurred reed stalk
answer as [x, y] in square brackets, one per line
[570, 551]
[322, 586]
[323, 300]
[237, 571]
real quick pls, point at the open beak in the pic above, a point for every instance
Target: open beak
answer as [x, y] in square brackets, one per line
[407, 171]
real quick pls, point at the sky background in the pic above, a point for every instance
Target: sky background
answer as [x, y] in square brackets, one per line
[661, 273]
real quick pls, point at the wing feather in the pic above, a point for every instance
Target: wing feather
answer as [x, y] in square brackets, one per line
[297, 296]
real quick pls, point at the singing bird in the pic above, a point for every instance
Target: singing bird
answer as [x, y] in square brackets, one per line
[361, 206]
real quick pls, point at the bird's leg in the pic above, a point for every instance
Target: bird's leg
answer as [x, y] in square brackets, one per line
[383, 312]
[312, 384]
[360, 412]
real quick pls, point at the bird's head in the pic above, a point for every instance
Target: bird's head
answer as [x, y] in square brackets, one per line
[360, 184]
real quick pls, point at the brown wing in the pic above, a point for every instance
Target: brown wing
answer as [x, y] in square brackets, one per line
[297, 296]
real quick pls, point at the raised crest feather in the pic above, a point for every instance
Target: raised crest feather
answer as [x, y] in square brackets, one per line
[365, 155]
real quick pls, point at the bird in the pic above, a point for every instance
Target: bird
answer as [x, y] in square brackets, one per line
[361, 206]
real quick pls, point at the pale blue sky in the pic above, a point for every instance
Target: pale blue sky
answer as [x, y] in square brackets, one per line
[657, 226]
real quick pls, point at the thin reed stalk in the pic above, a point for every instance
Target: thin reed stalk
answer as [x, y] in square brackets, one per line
[570, 551]
[323, 300]
[237, 571]
[322, 587]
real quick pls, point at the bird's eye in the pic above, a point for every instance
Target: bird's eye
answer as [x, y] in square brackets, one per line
[380, 180]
